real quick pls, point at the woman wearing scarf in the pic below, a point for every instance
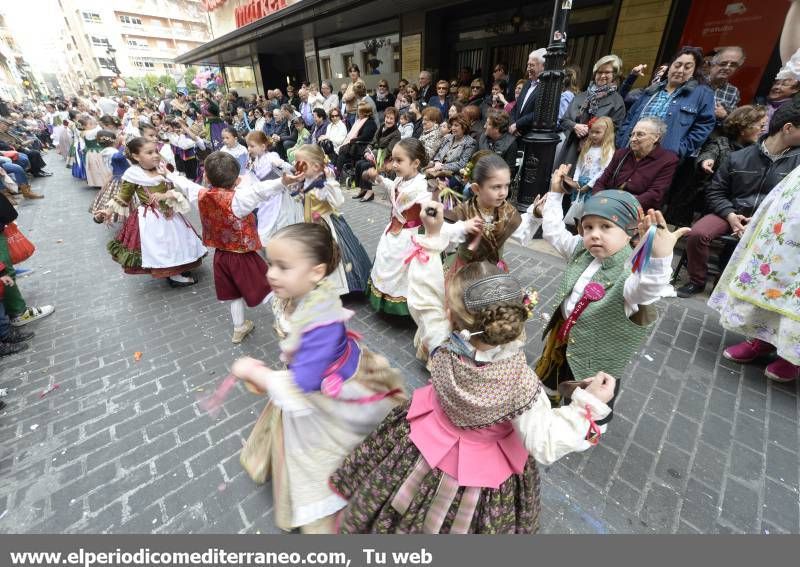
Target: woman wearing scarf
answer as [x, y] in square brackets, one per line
[600, 99]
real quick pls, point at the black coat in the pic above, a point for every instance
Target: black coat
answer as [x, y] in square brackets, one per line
[745, 178]
[523, 115]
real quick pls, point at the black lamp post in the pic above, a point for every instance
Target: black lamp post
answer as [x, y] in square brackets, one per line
[541, 141]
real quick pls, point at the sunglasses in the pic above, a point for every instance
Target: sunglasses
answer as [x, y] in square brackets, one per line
[476, 88]
[335, 116]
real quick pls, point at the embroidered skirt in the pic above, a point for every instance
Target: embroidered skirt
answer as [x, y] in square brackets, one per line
[372, 477]
[108, 192]
[355, 260]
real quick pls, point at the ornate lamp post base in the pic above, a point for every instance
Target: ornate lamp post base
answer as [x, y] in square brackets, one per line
[541, 141]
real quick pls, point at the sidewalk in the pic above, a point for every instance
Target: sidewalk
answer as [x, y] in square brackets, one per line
[698, 444]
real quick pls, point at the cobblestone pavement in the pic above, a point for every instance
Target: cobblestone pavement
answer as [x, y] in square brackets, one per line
[698, 444]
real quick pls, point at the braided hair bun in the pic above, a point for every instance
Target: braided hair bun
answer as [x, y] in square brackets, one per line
[501, 323]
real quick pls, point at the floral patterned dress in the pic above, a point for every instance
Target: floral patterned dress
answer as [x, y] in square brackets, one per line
[758, 294]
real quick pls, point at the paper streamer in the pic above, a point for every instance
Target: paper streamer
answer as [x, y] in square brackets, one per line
[641, 254]
[212, 403]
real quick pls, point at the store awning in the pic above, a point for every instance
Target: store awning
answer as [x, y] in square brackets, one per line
[286, 29]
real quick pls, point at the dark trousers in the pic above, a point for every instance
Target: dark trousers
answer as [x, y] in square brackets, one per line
[698, 245]
[35, 159]
[362, 166]
[188, 167]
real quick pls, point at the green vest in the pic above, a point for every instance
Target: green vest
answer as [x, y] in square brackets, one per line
[603, 337]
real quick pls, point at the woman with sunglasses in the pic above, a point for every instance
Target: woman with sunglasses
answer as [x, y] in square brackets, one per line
[441, 99]
[383, 98]
[334, 136]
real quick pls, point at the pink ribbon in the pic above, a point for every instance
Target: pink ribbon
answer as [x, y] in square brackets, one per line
[593, 292]
[417, 252]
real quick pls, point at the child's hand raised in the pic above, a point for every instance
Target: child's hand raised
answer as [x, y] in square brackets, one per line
[253, 373]
[556, 185]
[665, 240]
[432, 216]
[537, 206]
[601, 386]
[473, 226]
[289, 179]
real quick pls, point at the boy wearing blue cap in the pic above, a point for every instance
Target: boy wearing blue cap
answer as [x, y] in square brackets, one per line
[605, 312]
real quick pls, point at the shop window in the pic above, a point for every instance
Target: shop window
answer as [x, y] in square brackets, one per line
[325, 63]
[99, 41]
[92, 17]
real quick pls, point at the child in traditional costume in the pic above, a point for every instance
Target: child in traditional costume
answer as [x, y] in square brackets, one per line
[283, 208]
[487, 220]
[156, 238]
[388, 281]
[229, 226]
[758, 294]
[322, 201]
[333, 393]
[184, 144]
[77, 154]
[460, 457]
[605, 312]
[97, 174]
[234, 148]
[116, 164]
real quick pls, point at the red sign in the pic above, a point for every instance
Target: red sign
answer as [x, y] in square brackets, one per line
[753, 25]
[257, 9]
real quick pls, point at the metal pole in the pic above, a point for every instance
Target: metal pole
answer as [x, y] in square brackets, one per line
[541, 141]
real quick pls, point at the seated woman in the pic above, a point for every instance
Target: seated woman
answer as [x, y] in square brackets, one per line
[431, 136]
[334, 135]
[382, 145]
[455, 151]
[361, 134]
[645, 169]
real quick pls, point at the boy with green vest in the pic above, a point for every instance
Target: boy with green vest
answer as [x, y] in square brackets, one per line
[603, 328]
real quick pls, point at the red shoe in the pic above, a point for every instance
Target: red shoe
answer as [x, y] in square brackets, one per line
[782, 371]
[748, 351]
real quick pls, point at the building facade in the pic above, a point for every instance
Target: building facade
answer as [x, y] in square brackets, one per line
[267, 43]
[133, 37]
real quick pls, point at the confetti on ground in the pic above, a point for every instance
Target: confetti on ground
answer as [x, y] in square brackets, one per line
[48, 390]
[221, 487]
[34, 427]
[137, 356]
[59, 241]
[648, 357]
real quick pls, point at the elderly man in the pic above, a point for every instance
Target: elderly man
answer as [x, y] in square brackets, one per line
[741, 183]
[426, 90]
[645, 169]
[523, 113]
[305, 107]
[497, 139]
[726, 96]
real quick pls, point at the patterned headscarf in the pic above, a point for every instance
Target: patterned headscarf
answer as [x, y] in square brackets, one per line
[593, 94]
[620, 207]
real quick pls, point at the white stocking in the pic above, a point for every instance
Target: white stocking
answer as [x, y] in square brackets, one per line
[237, 312]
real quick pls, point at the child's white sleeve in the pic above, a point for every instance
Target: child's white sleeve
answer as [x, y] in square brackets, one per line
[183, 141]
[549, 434]
[332, 193]
[285, 393]
[249, 195]
[455, 232]
[527, 228]
[426, 290]
[554, 230]
[185, 186]
[649, 285]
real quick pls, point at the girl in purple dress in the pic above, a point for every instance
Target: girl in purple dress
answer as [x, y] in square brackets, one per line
[334, 391]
